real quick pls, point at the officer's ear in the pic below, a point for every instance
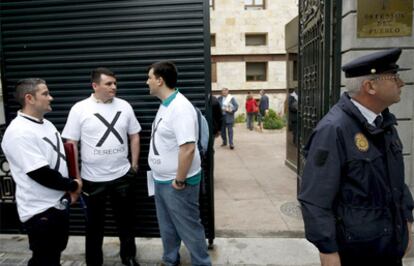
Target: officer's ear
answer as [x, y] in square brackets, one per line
[368, 87]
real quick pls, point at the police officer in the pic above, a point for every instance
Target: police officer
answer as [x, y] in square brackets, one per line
[356, 207]
[35, 153]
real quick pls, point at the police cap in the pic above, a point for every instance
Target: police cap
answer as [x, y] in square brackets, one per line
[375, 63]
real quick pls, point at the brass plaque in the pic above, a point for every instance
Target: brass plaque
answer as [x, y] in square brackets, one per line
[384, 18]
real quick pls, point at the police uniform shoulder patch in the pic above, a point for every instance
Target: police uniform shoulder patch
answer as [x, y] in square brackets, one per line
[361, 142]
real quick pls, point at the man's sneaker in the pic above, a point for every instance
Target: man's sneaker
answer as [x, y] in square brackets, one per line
[231, 147]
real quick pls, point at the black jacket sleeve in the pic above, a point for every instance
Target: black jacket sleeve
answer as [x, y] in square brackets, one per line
[319, 188]
[52, 179]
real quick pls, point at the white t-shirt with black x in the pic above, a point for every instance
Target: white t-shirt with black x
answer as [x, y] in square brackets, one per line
[103, 130]
[174, 125]
[30, 144]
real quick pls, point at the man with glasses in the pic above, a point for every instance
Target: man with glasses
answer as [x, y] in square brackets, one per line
[356, 207]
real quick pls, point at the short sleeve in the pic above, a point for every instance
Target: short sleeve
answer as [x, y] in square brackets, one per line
[184, 125]
[133, 125]
[72, 129]
[25, 152]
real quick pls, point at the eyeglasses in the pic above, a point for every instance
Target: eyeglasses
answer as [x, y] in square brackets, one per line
[395, 77]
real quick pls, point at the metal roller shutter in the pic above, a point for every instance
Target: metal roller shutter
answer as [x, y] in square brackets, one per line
[62, 41]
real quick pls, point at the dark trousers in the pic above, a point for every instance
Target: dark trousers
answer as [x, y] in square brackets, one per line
[48, 234]
[121, 200]
[227, 128]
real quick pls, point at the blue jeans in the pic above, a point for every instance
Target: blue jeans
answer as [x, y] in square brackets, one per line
[179, 219]
[227, 127]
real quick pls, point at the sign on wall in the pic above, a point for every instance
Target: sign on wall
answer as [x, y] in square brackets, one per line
[384, 18]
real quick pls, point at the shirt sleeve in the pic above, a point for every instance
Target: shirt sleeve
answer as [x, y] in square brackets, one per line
[319, 187]
[72, 129]
[25, 153]
[133, 126]
[185, 124]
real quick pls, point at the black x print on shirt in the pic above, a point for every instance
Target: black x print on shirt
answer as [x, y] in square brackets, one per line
[57, 149]
[110, 128]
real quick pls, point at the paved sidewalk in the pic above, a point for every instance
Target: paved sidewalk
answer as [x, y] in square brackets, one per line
[255, 193]
[227, 251]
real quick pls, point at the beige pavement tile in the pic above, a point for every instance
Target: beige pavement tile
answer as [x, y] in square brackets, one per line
[257, 217]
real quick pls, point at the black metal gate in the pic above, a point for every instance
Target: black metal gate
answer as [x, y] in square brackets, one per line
[61, 41]
[319, 65]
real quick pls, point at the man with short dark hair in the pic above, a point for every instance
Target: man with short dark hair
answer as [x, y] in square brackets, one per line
[175, 163]
[103, 124]
[356, 207]
[35, 153]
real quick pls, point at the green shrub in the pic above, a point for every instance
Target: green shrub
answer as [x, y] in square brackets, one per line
[241, 118]
[273, 121]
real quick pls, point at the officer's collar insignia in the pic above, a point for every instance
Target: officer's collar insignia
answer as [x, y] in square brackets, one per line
[361, 142]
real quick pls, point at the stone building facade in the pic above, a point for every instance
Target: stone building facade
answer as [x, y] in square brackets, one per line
[248, 48]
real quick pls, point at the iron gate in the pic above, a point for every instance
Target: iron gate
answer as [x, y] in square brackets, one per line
[319, 65]
[61, 41]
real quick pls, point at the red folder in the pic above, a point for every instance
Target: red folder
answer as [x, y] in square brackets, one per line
[72, 159]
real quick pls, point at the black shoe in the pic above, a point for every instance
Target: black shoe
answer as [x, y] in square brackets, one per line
[130, 262]
[231, 147]
[223, 144]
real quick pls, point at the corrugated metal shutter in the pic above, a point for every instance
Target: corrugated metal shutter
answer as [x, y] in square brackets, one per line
[62, 41]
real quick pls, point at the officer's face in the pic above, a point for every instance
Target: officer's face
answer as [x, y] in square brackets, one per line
[388, 89]
[105, 89]
[41, 100]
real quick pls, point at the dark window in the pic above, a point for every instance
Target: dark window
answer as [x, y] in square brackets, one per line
[256, 71]
[256, 39]
[213, 40]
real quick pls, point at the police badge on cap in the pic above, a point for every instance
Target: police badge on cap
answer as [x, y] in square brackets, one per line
[375, 63]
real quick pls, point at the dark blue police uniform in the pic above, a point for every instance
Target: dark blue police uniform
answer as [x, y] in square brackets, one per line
[353, 196]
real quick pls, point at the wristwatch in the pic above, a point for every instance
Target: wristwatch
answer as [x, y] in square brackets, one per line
[180, 183]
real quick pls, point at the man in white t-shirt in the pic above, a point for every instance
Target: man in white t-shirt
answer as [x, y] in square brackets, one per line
[175, 163]
[103, 123]
[35, 153]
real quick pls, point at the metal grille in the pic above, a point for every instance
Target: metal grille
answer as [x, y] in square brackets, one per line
[61, 41]
[319, 65]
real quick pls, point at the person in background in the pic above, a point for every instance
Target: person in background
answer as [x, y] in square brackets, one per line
[263, 108]
[217, 116]
[251, 110]
[356, 207]
[229, 106]
[104, 124]
[293, 115]
[34, 150]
